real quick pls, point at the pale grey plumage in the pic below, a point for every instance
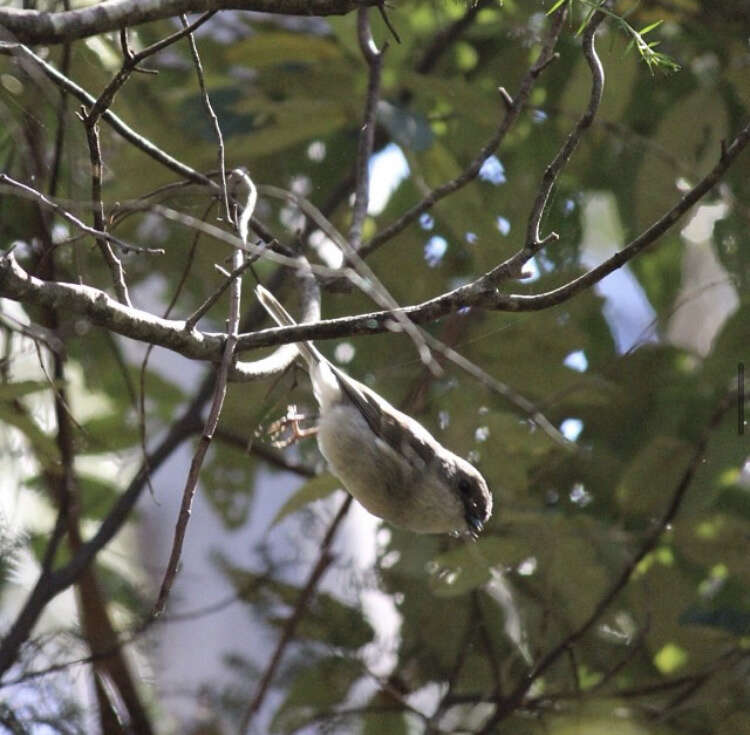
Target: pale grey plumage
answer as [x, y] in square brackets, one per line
[388, 461]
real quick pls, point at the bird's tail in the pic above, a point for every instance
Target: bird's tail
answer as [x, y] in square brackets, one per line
[284, 319]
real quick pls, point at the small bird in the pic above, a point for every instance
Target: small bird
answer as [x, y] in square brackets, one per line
[388, 461]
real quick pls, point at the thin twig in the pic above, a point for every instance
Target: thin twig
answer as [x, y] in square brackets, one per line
[276, 457]
[536, 302]
[523, 404]
[130, 64]
[374, 59]
[198, 314]
[47, 203]
[62, 117]
[90, 118]
[489, 650]
[220, 391]
[50, 585]
[118, 125]
[211, 113]
[360, 273]
[112, 261]
[16, 283]
[142, 378]
[534, 240]
[463, 651]
[55, 581]
[386, 20]
[546, 56]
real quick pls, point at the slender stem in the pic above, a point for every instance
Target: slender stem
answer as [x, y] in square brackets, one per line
[220, 391]
[534, 239]
[374, 59]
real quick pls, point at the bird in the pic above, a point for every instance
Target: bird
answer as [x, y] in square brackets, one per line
[384, 458]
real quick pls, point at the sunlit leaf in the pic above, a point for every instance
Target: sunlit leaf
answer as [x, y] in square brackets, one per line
[558, 4]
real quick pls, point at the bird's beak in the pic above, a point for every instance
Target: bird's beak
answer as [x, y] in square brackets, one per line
[475, 524]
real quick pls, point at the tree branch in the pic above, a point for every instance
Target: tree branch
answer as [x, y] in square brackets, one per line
[654, 232]
[36, 26]
[46, 203]
[374, 59]
[534, 240]
[220, 392]
[17, 284]
[512, 112]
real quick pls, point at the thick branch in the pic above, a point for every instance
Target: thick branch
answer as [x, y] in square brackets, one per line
[104, 311]
[35, 26]
[17, 284]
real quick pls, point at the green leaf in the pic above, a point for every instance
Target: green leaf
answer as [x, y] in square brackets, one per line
[556, 6]
[11, 391]
[652, 475]
[458, 571]
[734, 500]
[376, 723]
[316, 689]
[275, 126]
[165, 394]
[315, 489]
[118, 588]
[331, 622]
[326, 619]
[107, 433]
[96, 495]
[650, 28]
[279, 48]
[44, 446]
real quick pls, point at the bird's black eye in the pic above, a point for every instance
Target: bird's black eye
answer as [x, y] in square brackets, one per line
[464, 487]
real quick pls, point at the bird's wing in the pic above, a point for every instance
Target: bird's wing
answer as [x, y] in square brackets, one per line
[386, 422]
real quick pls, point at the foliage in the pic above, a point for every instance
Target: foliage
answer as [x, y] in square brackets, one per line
[633, 370]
